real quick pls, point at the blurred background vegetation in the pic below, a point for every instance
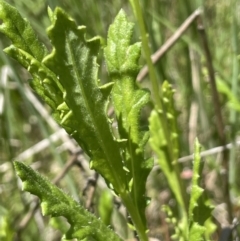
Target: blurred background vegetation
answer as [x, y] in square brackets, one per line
[24, 124]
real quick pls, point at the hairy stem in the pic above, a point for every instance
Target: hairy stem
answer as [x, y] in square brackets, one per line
[136, 218]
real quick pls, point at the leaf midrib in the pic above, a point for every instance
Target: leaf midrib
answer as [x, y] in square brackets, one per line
[97, 129]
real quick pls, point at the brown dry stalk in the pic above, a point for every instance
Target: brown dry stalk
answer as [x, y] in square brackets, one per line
[218, 114]
[170, 42]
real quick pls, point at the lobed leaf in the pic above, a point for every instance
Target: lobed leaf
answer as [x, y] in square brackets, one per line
[46, 84]
[56, 203]
[20, 31]
[196, 232]
[199, 209]
[66, 79]
[29, 52]
[73, 59]
[42, 76]
[128, 100]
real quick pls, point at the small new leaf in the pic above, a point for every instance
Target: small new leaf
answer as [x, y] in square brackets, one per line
[199, 209]
[128, 100]
[56, 203]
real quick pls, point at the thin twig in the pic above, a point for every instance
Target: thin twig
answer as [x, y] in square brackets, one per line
[209, 152]
[212, 151]
[212, 80]
[89, 191]
[24, 222]
[41, 145]
[41, 109]
[72, 160]
[169, 43]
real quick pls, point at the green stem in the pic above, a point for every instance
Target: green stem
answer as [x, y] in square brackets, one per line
[157, 93]
[155, 87]
[136, 218]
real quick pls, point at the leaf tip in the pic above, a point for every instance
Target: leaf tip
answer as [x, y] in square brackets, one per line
[121, 13]
[18, 166]
[50, 13]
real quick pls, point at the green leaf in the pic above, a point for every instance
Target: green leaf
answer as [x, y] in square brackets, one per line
[56, 203]
[29, 52]
[199, 208]
[196, 191]
[44, 78]
[196, 232]
[67, 80]
[20, 31]
[128, 100]
[73, 59]
[46, 84]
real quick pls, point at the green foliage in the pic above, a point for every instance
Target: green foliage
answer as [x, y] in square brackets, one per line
[73, 59]
[199, 209]
[160, 143]
[72, 64]
[191, 225]
[128, 100]
[20, 32]
[66, 79]
[161, 122]
[56, 203]
[198, 222]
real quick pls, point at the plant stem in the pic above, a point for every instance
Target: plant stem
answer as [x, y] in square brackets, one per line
[133, 211]
[147, 52]
[157, 93]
